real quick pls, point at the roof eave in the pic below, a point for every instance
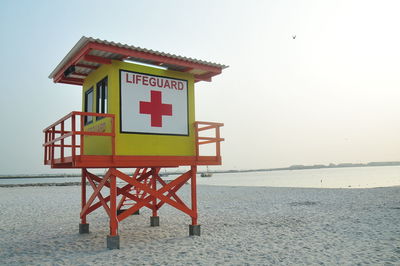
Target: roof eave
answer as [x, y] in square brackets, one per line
[82, 41]
[82, 48]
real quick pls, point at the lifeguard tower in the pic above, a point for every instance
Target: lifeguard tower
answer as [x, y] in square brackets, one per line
[138, 111]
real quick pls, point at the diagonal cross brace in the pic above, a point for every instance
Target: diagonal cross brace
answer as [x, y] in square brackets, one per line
[101, 199]
[120, 191]
[171, 192]
[154, 194]
[138, 176]
[124, 191]
[95, 192]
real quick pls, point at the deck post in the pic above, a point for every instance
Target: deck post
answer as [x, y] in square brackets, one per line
[154, 219]
[83, 226]
[113, 238]
[194, 228]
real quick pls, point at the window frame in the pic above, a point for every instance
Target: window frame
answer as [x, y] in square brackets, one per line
[102, 97]
[88, 119]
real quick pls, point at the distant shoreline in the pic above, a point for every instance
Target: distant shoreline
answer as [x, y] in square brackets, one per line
[293, 167]
[316, 166]
[39, 176]
[41, 185]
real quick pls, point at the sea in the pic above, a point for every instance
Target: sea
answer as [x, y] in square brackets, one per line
[349, 178]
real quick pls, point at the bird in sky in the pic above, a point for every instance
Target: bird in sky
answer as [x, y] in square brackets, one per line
[294, 37]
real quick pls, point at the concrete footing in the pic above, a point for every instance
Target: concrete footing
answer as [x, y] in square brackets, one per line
[121, 211]
[194, 230]
[83, 228]
[113, 242]
[154, 221]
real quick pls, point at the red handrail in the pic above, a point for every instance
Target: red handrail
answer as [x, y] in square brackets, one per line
[201, 140]
[59, 136]
[56, 135]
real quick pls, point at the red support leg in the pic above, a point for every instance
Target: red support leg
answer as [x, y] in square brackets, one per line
[194, 194]
[113, 206]
[154, 187]
[83, 226]
[83, 190]
[113, 238]
[154, 219]
[194, 228]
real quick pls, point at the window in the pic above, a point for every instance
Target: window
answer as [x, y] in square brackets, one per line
[102, 95]
[88, 105]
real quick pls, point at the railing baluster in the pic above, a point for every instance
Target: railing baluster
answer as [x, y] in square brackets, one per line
[53, 136]
[73, 128]
[113, 138]
[196, 129]
[45, 148]
[81, 148]
[218, 143]
[62, 142]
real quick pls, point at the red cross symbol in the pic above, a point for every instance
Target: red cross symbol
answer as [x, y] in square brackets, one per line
[156, 109]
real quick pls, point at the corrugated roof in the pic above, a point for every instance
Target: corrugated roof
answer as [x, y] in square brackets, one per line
[119, 56]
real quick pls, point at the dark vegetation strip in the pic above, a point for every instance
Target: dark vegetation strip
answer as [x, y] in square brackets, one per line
[42, 184]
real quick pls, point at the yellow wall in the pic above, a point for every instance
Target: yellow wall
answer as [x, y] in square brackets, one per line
[135, 144]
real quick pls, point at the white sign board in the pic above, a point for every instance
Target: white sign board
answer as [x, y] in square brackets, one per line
[153, 104]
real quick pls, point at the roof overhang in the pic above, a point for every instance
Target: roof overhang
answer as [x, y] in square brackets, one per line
[88, 54]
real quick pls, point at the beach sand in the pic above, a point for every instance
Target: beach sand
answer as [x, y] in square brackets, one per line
[240, 225]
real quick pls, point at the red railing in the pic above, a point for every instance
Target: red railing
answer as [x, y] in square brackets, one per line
[62, 135]
[65, 139]
[201, 140]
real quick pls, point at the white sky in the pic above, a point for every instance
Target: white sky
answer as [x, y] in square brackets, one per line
[330, 95]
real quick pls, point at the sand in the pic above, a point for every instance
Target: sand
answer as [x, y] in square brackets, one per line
[240, 226]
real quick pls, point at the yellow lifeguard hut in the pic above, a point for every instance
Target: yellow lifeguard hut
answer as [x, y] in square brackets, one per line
[138, 111]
